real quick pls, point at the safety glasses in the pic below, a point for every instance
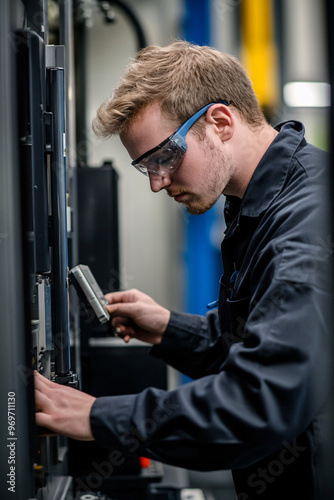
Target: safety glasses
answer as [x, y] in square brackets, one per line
[167, 156]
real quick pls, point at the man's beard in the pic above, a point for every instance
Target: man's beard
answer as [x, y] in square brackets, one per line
[200, 207]
[217, 179]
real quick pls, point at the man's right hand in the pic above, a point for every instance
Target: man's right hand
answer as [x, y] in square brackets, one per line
[136, 315]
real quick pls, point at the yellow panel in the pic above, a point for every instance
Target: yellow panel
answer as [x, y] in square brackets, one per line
[258, 52]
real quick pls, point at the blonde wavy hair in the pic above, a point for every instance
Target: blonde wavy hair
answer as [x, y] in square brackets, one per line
[182, 78]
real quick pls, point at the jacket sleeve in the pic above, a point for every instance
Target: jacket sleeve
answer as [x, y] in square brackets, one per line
[192, 344]
[267, 391]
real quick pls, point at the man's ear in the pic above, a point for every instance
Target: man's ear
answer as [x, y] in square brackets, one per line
[222, 119]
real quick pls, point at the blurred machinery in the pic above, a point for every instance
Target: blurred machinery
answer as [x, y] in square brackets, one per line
[51, 219]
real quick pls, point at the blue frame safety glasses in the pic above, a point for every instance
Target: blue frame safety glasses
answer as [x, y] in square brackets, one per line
[167, 156]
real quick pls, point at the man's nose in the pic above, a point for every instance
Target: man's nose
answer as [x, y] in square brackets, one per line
[158, 182]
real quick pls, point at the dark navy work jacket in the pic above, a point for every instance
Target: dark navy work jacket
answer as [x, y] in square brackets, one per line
[260, 361]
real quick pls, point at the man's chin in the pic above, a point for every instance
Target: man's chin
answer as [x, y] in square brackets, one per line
[197, 209]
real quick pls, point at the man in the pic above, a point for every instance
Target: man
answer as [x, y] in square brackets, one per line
[258, 358]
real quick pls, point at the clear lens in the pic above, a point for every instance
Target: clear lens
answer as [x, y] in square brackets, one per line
[163, 161]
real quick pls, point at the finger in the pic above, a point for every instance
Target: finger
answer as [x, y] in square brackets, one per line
[124, 296]
[44, 384]
[122, 309]
[43, 420]
[123, 326]
[41, 381]
[127, 332]
[121, 322]
[124, 333]
[42, 401]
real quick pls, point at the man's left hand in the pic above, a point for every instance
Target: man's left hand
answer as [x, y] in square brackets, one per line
[62, 409]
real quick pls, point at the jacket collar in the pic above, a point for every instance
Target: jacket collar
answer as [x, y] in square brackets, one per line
[269, 175]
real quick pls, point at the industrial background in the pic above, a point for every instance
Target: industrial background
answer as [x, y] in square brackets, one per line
[129, 237]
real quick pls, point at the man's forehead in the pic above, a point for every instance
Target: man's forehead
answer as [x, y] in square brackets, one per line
[147, 129]
[151, 120]
[154, 116]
